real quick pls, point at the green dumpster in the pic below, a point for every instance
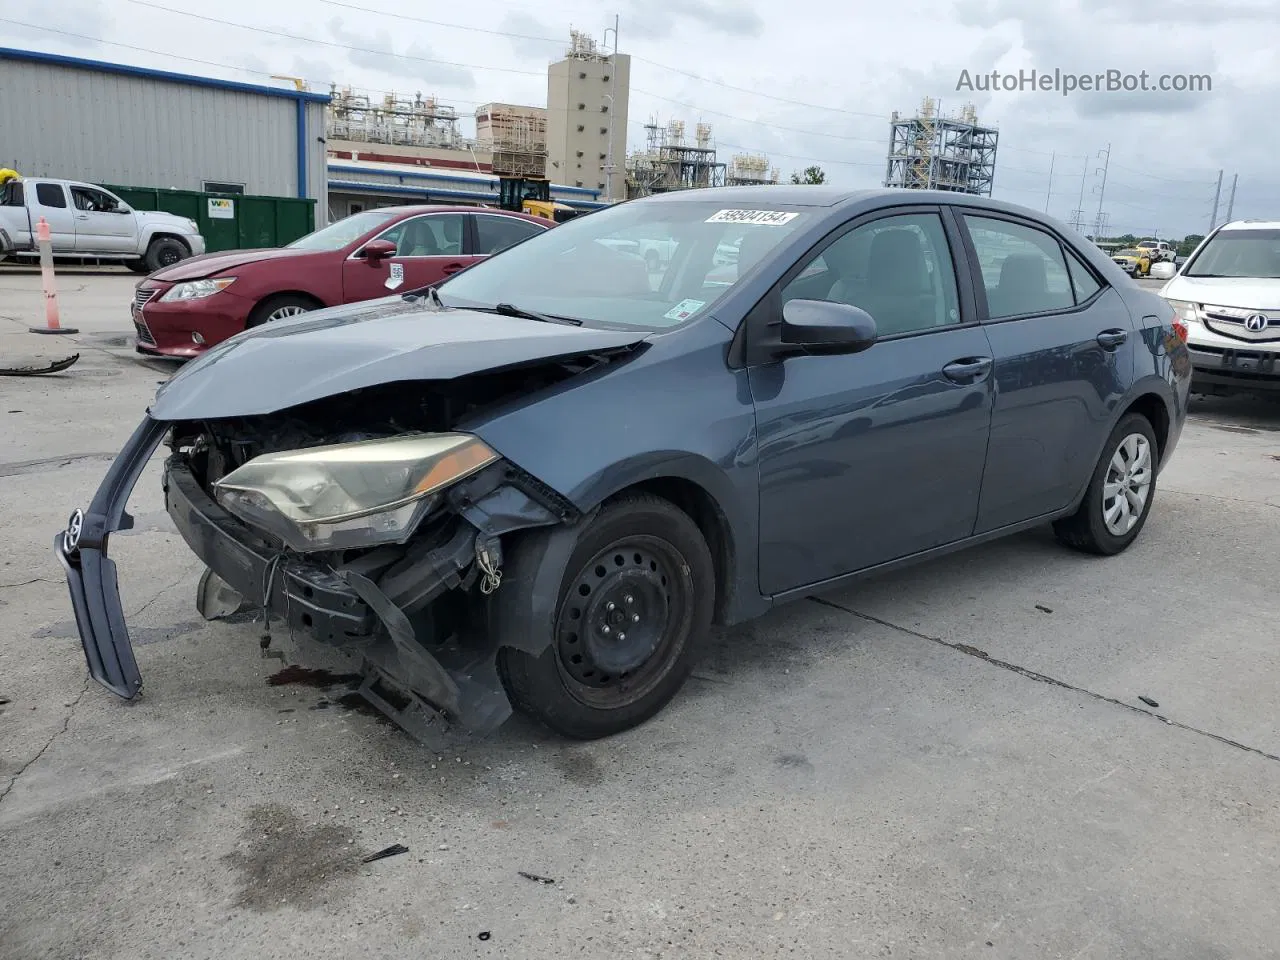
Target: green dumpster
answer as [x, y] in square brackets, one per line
[229, 221]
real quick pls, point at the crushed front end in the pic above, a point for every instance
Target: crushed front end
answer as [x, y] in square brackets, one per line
[364, 521]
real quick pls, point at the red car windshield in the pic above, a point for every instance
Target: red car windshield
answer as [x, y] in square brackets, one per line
[347, 230]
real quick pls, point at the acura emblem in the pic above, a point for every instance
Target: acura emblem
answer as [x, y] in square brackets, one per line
[1255, 322]
[71, 539]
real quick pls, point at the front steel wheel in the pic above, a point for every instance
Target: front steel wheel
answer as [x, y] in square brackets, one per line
[1120, 493]
[636, 600]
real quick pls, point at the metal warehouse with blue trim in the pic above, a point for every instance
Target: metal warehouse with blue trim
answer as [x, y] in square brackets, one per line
[109, 123]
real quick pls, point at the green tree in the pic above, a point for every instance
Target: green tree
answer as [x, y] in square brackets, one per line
[1189, 243]
[811, 175]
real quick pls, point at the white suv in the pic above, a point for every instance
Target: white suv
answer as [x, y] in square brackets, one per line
[1228, 294]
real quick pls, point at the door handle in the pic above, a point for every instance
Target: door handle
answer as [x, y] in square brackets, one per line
[82, 216]
[1110, 339]
[451, 268]
[968, 370]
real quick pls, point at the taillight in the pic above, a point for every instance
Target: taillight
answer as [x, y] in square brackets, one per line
[1180, 330]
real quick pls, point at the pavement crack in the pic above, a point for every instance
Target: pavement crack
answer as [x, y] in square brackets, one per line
[1214, 496]
[1021, 671]
[66, 724]
[172, 586]
[24, 583]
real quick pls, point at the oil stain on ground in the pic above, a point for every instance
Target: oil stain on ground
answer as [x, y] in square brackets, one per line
[579, 768]
[282, 861]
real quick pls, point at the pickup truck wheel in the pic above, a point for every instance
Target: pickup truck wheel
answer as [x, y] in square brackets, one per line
[165, 252]
[137, 266]
[1120, 494]
[636, 600]
[279, 307]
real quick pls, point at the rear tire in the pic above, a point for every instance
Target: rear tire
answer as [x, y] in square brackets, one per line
[1116, 505]
[642, 567]
[164, 252]
[137, 266]
[279, 307]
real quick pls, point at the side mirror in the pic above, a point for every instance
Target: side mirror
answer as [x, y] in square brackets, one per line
[377, 250]
[823, 326]
[1164, 270]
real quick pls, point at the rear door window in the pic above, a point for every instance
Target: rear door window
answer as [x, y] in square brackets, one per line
[1023, 268]
[494, 234]
[51, 195]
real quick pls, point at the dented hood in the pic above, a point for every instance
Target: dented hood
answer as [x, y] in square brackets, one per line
[332, 351]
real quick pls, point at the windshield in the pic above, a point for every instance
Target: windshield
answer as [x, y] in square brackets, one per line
[1239, 253]
[653, 265]
[337, 235]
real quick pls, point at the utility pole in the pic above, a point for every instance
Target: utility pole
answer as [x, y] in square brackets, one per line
[1217, 196]
[1049, 194]
[1077, 215]
[1231, 200]
[1097, 231]
[613, 90]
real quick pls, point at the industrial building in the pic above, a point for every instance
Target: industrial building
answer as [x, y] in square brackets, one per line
[934, 152]
[419, 131]
[669, 163]
[128, 126]
[515, 138]
[587, 97]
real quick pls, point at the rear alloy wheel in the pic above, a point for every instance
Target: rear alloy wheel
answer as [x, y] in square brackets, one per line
[280, 308]
[636, 600]
[1120, 494]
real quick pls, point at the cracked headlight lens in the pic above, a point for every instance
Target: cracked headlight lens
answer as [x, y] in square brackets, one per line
[348, 495]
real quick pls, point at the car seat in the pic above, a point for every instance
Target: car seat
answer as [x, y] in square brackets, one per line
[896, 291]
[451, 229]
[417, 240]
[1023, 286]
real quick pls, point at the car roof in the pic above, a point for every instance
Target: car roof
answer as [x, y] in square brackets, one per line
[822, 195]
[1252, 225]
[416, 208]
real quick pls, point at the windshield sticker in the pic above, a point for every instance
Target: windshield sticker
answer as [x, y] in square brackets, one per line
[397, 276]
[684, 309]
[769, 218]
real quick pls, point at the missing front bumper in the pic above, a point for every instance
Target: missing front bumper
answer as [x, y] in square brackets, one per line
[421, 689]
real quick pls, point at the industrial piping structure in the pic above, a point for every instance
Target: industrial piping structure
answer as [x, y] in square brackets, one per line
[934, 152]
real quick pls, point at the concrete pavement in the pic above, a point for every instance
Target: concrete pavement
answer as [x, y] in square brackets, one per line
[951, 761]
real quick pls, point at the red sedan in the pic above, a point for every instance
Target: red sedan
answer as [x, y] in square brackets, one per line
[184, 309]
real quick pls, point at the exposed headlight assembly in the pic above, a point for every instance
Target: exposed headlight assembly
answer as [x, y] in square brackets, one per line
[349, 495]
[197, 289]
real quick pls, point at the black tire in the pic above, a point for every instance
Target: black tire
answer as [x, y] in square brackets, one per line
[164, 252]
[265, 311]
[137, 266]
[1086, 530]
[642, 554]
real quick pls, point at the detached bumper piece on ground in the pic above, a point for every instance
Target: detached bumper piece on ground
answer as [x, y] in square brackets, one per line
[425, 664]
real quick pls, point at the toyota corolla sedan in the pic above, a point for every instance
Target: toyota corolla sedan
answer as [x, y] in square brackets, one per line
[184, 309]
[539, 484]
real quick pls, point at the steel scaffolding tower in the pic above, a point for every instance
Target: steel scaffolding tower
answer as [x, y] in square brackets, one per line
[934, 152]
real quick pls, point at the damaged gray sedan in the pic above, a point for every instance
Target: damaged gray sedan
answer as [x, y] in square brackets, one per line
[540, 484]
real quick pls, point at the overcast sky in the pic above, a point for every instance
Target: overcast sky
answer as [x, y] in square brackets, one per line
[804, 85]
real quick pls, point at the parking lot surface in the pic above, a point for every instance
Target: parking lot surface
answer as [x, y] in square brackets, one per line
[951, 761]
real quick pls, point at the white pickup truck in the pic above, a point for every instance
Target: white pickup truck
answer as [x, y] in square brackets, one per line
[88, 221]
